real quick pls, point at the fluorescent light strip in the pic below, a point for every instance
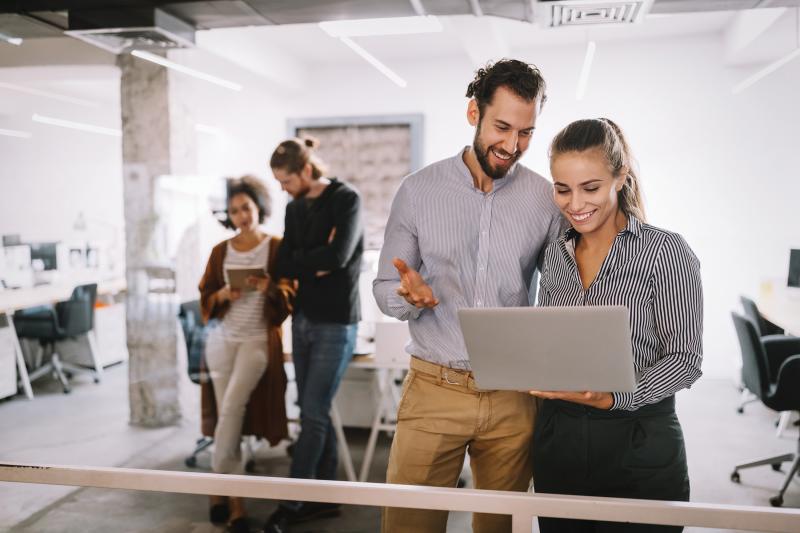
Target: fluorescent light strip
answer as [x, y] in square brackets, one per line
[383, 26]
[372, 60]
[210, 130]
[16, 133]
[587, 68]
[16, 41]
[48, 94]
[153, 58]
[76, 125]
[769, 69]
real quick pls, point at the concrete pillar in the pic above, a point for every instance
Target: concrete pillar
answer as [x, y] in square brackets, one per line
[157, 140]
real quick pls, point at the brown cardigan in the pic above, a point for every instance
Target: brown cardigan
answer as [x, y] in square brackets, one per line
[266, 411]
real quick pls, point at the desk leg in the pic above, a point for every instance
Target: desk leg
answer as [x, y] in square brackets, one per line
[344, 449]
[21, 368]
[385, 386]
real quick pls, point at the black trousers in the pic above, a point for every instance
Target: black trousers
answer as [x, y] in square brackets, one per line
[584, 451]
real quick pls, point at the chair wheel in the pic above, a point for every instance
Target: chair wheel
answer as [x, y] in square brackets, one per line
[97, 380]
[67, 390]
[740, 410]
[735, 477]
[776, 501]
[191, 461]
[776, 467]
[250, 466]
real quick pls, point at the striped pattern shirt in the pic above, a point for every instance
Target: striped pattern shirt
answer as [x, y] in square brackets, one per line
[654, 274]
[246, 320]
[474, 249]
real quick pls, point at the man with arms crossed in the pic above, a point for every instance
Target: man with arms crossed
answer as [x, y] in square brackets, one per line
[468, 231]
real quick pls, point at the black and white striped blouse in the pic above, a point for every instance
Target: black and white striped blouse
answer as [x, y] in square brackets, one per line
[654, 274]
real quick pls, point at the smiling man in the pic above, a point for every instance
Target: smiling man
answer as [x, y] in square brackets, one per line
[468, 231]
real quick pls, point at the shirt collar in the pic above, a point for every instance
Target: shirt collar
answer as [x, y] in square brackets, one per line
[633, 227]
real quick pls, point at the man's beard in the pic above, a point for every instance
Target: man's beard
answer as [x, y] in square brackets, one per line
[302, 192]
[482, 154]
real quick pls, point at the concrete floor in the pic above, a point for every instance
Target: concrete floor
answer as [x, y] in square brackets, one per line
[89, 427]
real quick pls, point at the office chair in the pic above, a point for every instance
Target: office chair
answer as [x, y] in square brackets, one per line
[65, 320]
[769, 333]
[774, 376]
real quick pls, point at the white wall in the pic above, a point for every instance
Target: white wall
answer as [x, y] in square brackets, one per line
[720, 169]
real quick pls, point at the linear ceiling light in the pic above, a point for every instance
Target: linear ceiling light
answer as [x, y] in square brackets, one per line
[16, 41]
[383, 26]
[775, 65]
[375, 62]
[76, 125]
[210, 130]
[586, 70]
[769, 69]
[48, 94]
[16, 133]
[153, 58]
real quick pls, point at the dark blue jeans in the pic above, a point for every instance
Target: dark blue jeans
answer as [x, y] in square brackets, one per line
[321, 352]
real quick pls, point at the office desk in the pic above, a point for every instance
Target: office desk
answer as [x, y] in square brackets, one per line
[17, 299]
[781, 306]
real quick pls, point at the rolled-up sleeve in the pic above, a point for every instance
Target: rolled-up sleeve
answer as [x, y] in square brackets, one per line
[400, 241]
[678, 310]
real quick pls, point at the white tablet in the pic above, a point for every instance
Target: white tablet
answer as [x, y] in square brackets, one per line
[550, 348]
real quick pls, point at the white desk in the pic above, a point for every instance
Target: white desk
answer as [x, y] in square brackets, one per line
[16, 299]
[781, 306]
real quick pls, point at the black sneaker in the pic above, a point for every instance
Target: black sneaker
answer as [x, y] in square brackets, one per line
[316, 510]
[281, 519]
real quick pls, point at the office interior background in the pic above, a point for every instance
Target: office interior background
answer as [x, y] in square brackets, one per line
[707, 92]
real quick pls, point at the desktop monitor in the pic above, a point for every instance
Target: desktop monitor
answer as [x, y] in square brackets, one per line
[46, 252]
[794, 268]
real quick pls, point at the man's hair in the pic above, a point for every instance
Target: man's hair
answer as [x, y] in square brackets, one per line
[523, 79]
[255, 189]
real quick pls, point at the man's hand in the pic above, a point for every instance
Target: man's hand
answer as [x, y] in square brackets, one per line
[600, 400]
[323, 273]
[413, 288]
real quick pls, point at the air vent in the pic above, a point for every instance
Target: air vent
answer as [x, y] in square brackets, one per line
[556, 14]
[123, 30]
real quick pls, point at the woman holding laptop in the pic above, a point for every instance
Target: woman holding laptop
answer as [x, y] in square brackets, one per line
[244, 354]
[627, 445]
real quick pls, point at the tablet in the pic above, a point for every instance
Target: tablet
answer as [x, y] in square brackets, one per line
[237, 277]
[550, 348]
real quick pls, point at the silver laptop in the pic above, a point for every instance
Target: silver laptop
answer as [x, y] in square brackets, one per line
[550, 348]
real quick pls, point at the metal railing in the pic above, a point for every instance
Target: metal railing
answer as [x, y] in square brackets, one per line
[523, 507]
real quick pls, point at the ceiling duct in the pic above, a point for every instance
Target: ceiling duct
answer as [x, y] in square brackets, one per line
[560, 13]
[123, 30]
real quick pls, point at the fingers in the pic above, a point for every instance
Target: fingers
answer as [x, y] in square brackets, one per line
[401, 266]
[423, 302]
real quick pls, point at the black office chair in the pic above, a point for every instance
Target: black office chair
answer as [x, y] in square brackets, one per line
[774, 376]
[65, 320]
[768, 332]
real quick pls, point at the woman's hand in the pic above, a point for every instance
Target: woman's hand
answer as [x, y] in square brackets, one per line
[600, 400]
[226, 294]
[259, 283]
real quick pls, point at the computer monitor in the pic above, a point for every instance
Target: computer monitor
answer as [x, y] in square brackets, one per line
[46, 252]
[794, 268]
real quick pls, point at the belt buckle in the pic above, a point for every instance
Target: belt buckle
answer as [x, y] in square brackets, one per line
[447, 378]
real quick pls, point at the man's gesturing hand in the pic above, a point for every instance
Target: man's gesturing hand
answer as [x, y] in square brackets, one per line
[413, 288]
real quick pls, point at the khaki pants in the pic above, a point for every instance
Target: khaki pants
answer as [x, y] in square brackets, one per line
[441, 415]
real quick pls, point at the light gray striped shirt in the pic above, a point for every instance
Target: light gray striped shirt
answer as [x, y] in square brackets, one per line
[474, 249]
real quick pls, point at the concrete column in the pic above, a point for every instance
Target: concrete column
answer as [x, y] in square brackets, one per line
[157, 140]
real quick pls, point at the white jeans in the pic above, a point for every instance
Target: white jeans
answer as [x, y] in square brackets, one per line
[236, 368]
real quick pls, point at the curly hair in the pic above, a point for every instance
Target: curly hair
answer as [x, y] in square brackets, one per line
[523, 79]
[255, 189]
